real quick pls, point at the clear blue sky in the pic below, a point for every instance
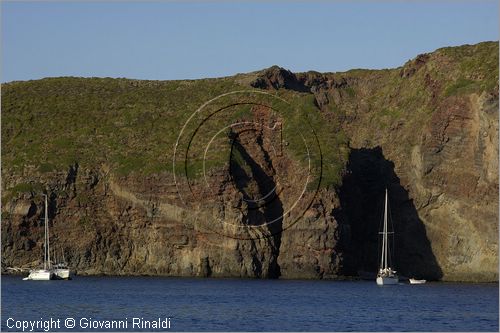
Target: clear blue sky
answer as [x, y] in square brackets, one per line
[168, 40]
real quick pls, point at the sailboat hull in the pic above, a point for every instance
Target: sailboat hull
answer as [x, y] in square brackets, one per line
[387, 280]
[62, 273]
[40, 275]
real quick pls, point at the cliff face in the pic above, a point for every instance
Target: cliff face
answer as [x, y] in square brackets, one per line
[284, 193]
[252, 220]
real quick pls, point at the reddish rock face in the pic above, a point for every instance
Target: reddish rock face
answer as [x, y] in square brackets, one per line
[460, 177]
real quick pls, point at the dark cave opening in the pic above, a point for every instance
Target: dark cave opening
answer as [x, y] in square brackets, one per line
[361, 196]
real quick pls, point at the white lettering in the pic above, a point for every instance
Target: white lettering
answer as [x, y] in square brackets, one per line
[33, 325]
[90, 323]
[84, 323]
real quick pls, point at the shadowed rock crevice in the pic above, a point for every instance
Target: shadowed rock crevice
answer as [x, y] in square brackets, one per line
[261, 205]
[362, 201]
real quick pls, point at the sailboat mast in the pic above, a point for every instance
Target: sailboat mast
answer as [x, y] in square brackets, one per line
[382, 255]
[45, 235]
[47, 229]
[385, 230]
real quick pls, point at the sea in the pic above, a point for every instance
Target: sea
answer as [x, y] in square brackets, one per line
[189, 304]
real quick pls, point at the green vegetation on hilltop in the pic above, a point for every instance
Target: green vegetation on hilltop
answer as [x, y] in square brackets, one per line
[133, 125]
[128, 124]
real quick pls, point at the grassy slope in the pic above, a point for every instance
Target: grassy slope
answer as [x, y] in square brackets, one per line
[133, 125]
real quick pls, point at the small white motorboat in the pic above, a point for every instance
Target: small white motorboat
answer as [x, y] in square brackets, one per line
[415, 281]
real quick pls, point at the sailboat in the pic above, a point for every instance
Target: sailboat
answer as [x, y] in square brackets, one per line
[46, 273]
[61, 269]
[386, 275]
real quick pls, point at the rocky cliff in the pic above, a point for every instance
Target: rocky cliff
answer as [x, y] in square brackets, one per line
[266, 174]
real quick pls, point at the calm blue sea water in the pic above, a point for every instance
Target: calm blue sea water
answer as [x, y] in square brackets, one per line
[252, 305]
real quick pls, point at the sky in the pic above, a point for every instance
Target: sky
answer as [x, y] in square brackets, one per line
[189, 40]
